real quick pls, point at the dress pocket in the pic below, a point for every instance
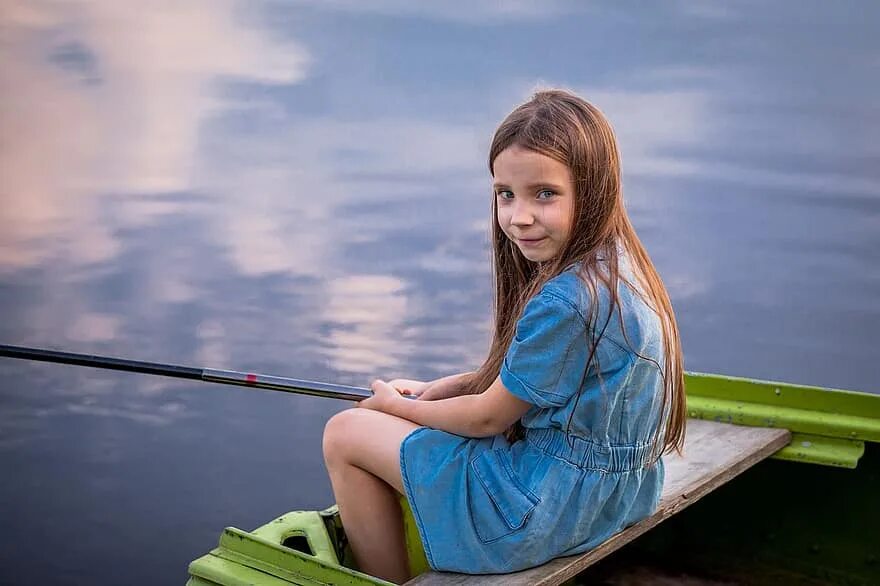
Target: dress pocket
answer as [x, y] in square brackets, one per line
[498, 501]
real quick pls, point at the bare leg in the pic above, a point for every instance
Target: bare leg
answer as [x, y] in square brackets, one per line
[362, 453]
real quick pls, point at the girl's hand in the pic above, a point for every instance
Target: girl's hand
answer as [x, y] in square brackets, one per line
[383, 396]
[407, 386]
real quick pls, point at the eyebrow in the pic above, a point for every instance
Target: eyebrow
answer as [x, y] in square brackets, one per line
[531, 186]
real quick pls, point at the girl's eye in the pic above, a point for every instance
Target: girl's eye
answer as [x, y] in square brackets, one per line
[505, 194]
[545, 194]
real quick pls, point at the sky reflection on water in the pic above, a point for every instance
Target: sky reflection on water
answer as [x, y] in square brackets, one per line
[300, 188]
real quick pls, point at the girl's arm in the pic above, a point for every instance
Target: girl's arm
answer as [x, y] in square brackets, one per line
[441, 388]
[482, 415]
[444, 388]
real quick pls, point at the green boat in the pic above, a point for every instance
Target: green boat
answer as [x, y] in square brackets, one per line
[778, 485]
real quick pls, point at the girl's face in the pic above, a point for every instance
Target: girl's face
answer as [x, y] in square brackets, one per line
[535, 197]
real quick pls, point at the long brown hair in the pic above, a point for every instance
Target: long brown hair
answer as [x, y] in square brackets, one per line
[563, 126]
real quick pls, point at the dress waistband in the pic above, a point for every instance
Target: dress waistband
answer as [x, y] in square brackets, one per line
[588, 454]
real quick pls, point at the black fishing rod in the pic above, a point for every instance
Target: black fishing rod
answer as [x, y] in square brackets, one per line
[211, 375]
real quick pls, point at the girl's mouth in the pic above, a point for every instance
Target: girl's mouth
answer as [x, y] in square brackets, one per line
[531, 242]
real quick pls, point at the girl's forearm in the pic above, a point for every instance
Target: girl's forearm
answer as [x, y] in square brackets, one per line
[458, 415]
[453, 380]
[447, 386]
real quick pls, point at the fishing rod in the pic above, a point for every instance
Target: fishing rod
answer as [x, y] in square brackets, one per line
[210, 375]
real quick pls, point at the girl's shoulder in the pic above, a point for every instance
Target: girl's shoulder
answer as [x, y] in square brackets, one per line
[568, 288]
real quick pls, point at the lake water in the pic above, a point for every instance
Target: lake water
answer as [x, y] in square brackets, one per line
[300, 188]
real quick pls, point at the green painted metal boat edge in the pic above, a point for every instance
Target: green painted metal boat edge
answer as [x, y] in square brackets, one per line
[212, 570]
[838, 422]
[817, 449]
[860, 405]
[308, 525]
[240, 554]
[801, 420]
[290, 565]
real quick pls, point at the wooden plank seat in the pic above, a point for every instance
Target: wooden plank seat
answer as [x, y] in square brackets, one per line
[714, 453]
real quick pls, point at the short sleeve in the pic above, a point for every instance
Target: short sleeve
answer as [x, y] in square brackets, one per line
[547, 357]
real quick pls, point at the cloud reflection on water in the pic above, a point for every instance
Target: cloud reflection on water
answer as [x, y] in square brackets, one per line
[368, 314]
[154, 119]
[130, 126]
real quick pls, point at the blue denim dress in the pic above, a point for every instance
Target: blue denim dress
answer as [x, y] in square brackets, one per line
[583, 471]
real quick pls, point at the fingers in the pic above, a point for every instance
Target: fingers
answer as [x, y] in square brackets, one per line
[406, 386]
[379, 385]
[402, 386]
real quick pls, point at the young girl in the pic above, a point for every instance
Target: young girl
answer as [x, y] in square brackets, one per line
[554, 444]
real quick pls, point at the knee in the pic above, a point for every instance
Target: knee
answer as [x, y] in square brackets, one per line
[336, 439]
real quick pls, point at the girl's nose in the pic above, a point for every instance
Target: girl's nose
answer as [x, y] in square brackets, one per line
[522, 215]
